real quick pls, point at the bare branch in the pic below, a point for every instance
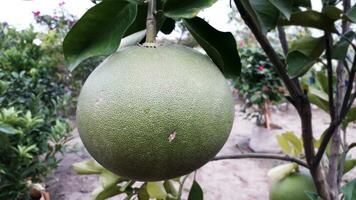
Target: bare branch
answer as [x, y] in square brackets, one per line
[263, 156]
[328, 41]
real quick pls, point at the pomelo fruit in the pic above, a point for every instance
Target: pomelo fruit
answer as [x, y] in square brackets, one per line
[292, 187]
[152, 114]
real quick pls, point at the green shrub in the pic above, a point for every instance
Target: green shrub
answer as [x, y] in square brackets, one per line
[33, 99]
[28, 146]
[258, 83]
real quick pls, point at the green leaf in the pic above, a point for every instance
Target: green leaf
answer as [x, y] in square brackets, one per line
[310, 18]
[267, 14]
[283, 143]
[284, 6]
[220, 46]
[248, 8]
[333, 12]
[101, 193]
[298, 63]
[195, 193]
[133, 39]
[349, 165]
[88, 167]
[309, 46]
[170, 188]
[340, 48]
[168, 26]
[108, 178]
[350, 116]
[142, 193]
[351, 14]
[139, 23]
[99, 31]
[296, 143]
[185, 9]
[322, 81]
[349, 190]
[7, 129]
[156, 190]
[318, 101]
[303, 54]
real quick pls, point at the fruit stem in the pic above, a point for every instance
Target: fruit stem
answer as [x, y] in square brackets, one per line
[151, 22]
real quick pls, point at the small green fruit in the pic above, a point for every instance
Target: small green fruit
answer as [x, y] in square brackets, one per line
[292, 187]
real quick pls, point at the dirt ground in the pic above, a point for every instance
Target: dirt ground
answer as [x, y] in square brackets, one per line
[243, 179]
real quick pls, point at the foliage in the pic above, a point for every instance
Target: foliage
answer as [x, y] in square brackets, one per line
[112, 185]
[28, 144]
[33, 103]
[258, 83]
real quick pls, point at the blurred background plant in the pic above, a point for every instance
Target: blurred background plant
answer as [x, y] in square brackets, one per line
[259, 86]
[37, 96]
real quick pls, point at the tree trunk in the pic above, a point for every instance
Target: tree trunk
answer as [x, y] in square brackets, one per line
[335, 161]
[317, 172]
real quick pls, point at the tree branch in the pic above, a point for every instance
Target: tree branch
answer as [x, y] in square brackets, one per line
[328, 41]
[263, 156]
[298, 98]
[283, 39]
[334, 124]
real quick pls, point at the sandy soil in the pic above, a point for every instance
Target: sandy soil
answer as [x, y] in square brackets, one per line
[243, 179]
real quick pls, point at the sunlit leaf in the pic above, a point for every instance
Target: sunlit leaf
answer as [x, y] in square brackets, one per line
[88, 167]
[156, 190]
[108, 178]
[101, 193]
[283, 143]
[296, 143]
[7, 129]
[185, 9]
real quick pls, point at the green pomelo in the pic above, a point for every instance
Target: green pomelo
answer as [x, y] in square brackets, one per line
[292, 187]
[151, 114]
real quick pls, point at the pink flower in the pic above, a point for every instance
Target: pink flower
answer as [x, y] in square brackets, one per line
[55, 17]
[242, 43]
[61, 4]
[261, 67]
[36, 13]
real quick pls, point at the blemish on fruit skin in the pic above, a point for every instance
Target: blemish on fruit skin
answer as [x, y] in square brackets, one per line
[97, 102]
[172, 136]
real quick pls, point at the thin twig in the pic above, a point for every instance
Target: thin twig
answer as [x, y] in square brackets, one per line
[262, 156]
[330, 75]
[151, 22]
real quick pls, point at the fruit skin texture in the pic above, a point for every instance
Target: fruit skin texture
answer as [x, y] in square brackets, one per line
[152, 114]
[292, 187]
